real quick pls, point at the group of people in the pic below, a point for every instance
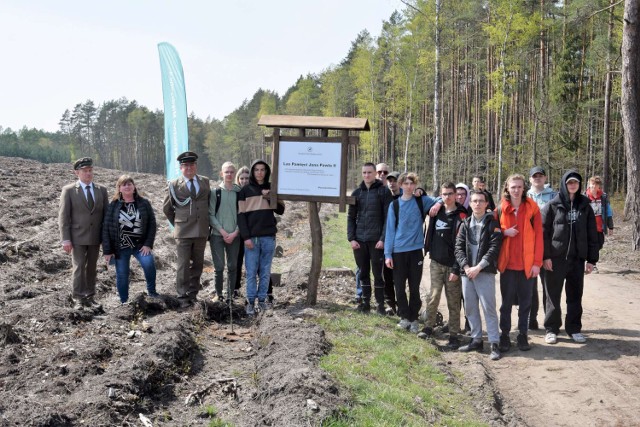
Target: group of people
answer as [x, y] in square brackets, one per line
[236, 219]
[530, 233]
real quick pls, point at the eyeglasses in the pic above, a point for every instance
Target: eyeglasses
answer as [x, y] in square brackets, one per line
[447, 194]
[383, 172]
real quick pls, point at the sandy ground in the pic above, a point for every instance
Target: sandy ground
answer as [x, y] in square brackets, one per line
[569, 384]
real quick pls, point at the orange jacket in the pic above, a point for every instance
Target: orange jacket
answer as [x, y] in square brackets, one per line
[532, 236]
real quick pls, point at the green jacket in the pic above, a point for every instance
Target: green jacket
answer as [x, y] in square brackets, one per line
[227, 216]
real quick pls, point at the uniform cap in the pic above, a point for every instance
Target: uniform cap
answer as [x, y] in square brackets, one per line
[84, 162]
[187, 157]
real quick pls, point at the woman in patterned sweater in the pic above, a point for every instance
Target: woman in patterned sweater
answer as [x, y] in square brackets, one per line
[129, 229]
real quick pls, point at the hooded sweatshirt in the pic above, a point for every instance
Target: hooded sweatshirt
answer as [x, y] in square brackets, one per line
[441, 237]
[466, 201]
[255, 216]
[544, 197]
[570, 225]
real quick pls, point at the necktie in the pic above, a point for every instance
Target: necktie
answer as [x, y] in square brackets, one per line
[89, 197]
[193, 189]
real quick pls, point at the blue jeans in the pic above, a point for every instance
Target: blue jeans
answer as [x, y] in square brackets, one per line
[358, 285]
[122, 271]
[257, 261]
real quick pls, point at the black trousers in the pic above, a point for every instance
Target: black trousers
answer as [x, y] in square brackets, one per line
[389, 288]
[571, 273]
[407, 267]
[535, 298]
[369, 259]
[514, 283]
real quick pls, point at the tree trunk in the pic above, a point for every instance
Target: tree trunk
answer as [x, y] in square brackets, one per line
[631, 114]
[607, 106]
[316, 252]
[436, 106]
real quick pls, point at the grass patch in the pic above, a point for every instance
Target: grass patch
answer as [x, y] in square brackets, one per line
[336, 250]
[392, 376]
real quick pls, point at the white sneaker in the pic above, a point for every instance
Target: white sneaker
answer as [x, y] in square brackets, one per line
[404, 324]
[551, 338]
[415, 327]
[579, 338]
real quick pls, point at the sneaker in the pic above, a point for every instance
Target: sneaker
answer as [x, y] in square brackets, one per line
[264, 305]
[454, 343]
[381, 310]
[391, 310]
[154, 295]
[579, 338]
[426, 332]
[77, 305]
[472, 346]
[523, 342]
[415, 327]
[237, 294]
[533, 325]
[357, 300]
[505, 343]
[551, 338]
[404, 324]
[250, 310]
[495, 352]
[364, 307]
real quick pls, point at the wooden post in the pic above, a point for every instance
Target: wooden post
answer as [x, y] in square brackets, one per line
[316, 253]
[275, 159]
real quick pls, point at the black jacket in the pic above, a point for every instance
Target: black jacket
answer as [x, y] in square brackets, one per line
[488, 246]
[558, 233]
[444, 253]
[255, 216]
[367, 218]
[111, 226]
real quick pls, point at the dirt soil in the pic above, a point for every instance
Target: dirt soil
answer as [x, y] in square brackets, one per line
[152, 363]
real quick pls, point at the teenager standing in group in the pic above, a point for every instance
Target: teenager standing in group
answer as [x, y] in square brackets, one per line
[571, 249]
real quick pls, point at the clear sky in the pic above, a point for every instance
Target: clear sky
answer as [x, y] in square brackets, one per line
[56, 54]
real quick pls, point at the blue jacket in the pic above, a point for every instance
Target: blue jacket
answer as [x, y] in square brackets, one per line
[408, 236]
[544, 197]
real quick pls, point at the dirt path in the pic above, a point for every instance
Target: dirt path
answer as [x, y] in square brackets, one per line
[570, 384]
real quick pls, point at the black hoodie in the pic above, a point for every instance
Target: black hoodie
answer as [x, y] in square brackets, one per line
[441, 237]
[569, 225]
[255, 216]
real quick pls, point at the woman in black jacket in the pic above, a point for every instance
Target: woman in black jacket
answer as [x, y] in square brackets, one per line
[477, 249]
[570, 239]
[129, 229]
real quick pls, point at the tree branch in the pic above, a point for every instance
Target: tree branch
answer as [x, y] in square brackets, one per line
[601, 10]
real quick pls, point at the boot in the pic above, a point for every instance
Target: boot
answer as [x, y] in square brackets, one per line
[364, 307]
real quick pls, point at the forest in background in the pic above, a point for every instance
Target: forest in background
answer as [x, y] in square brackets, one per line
[450, 88]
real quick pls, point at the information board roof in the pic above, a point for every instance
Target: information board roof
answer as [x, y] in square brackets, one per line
[314, 122]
